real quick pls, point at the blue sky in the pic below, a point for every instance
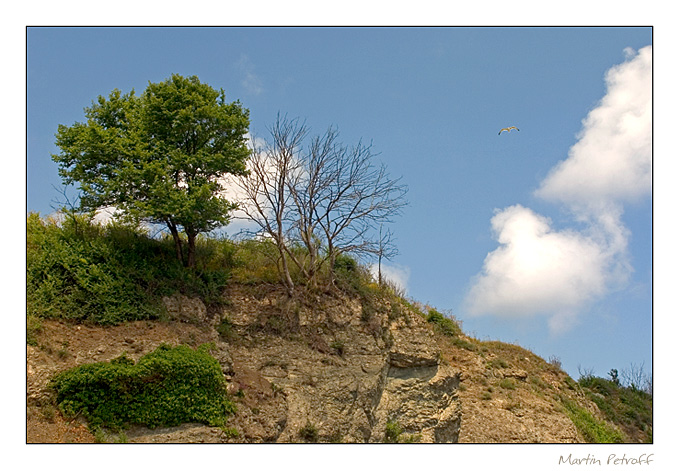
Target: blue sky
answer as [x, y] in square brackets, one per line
[567, 269]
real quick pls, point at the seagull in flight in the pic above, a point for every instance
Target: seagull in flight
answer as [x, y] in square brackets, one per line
[507, 129]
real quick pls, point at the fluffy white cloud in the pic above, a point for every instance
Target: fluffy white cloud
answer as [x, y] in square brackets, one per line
[538, 270]
[234, 192]
[611, 162]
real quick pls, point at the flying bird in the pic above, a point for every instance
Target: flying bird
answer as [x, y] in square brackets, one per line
[507, 129]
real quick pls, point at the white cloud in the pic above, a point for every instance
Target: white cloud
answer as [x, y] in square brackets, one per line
[105, 215]
[537, 270]
[611, 162]
[233, 190]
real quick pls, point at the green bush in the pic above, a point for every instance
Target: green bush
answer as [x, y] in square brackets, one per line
[309, 433]
[110, 274]
[621, 405]
[166, 387]
[255, 262]
[353, 278]
[392, 432]
[592, 429]
[444, 324]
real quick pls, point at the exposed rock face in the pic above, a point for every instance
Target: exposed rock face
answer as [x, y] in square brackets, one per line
[185, 309]
[321, 366]
[314, 369]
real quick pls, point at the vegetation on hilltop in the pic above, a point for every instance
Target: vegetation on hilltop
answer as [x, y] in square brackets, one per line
[81, 271]
[628, 407]
[318, 199]
[160, 157]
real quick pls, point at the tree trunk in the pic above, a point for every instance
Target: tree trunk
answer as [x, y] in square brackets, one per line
[331, 268]
[191, 249]
[178, 241]
[287, 280]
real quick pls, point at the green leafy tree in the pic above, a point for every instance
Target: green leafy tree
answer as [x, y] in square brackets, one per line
[159, 157]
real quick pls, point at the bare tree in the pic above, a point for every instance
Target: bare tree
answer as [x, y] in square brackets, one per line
[635, 377]
[386, 250]
[586, 373]
[266, 188]
[328, 197]
[342, 198]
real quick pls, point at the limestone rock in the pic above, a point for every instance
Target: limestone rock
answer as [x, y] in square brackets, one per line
[515, 373]
[373, 372]
[413, 346]
[185, 309]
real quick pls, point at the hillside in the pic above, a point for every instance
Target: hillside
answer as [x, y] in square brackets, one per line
[319, 367]
[359, 363]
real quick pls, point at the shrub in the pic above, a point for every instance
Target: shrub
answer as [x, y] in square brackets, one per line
[464, 344]
[353, 278]
[444, 324]
[555, 362]
[110, 274]
[166, 387]
[225, 329]
[625, 406]
[392, 432]
[592, 429]
[309, 433]
[497, 363]
[230, 432]
[256, 261]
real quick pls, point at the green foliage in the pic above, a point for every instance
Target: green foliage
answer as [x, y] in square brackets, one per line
[353, 278]
[225, 329]
[230, 432]
[627, 407]
[78, 271]
[443, 324]
[256, 261]
[395, 434]
[392, 432]
[309, 433]
[592, 429]
[33, 329]
[83, 271]
[166, 387]
[159, 156]
[462, 343]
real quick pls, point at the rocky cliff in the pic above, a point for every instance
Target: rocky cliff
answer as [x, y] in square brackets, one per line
[308, 369]
[326, 368]
[338, 375]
